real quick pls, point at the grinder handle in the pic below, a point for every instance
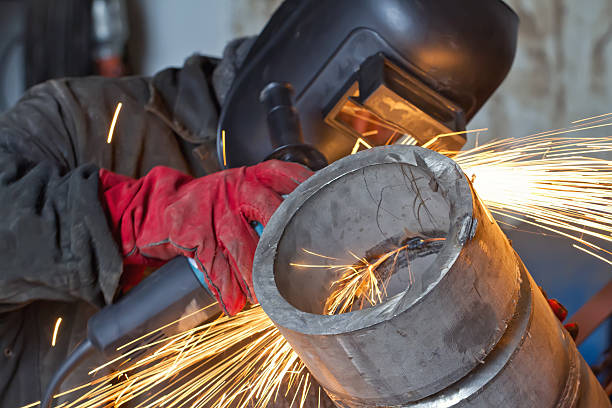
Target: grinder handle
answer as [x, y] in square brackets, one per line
[171, 292]
[285, 130]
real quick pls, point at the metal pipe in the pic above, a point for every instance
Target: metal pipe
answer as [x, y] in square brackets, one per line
[471, 328]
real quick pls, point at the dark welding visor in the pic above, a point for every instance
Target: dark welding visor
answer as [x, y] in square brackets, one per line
[383, 104]
[365, 73]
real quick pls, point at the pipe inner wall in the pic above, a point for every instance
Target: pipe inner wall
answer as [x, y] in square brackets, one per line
[444, 312]
[463, 323]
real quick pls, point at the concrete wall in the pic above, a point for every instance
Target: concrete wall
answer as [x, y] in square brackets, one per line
[165, 32]
[562, 71]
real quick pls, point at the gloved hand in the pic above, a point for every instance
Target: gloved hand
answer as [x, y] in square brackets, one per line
[561, 313]
[167, 213]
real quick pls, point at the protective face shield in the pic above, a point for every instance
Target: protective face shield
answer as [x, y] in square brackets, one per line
[383, 104]
[364, 73]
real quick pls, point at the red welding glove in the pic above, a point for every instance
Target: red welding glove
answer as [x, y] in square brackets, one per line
[561, 313]
[167, 213]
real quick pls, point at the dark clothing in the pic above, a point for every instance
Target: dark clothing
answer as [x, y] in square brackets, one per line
[57, 255]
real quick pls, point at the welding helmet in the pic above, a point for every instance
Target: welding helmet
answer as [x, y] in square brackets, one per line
[337, 75]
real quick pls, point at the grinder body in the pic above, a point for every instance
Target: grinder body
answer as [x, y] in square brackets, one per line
[153, 306]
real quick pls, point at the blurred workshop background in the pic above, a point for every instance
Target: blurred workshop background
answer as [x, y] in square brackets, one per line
[562, 72]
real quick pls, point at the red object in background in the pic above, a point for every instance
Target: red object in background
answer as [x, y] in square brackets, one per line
[167, 213]
[110, 35]
[111, 67]
[559, 310]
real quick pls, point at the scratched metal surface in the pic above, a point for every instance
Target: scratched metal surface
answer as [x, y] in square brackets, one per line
[356, 353]
[476, 332]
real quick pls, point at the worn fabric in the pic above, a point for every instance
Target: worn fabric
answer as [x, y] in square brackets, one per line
[168, 213]
[233, 56]
[58, 257]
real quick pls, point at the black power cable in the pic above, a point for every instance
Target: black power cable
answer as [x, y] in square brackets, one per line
[83, 350]
[158, 301]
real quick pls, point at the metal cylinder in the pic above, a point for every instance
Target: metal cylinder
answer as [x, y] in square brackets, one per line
[464, 326]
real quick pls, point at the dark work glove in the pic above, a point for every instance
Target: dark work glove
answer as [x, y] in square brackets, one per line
[561, 312]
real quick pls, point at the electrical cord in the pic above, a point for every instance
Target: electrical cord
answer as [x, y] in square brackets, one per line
[83, 350]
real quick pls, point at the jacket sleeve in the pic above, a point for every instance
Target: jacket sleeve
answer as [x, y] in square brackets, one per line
[55, 243]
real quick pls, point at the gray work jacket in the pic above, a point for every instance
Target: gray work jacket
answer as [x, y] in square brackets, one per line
[57, 255]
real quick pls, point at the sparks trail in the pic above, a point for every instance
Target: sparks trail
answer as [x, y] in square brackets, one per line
[548, 182]
[364, 283]
[234, 361]
[111, 130]
[242, 360]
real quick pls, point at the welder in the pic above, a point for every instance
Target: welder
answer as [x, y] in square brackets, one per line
[77, 211]
[82, 217]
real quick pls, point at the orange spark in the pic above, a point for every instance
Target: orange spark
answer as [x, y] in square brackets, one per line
[113, 123]
[358, 143]
[592, 117]
[223, 147]
[55, 330]
[442, 135]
